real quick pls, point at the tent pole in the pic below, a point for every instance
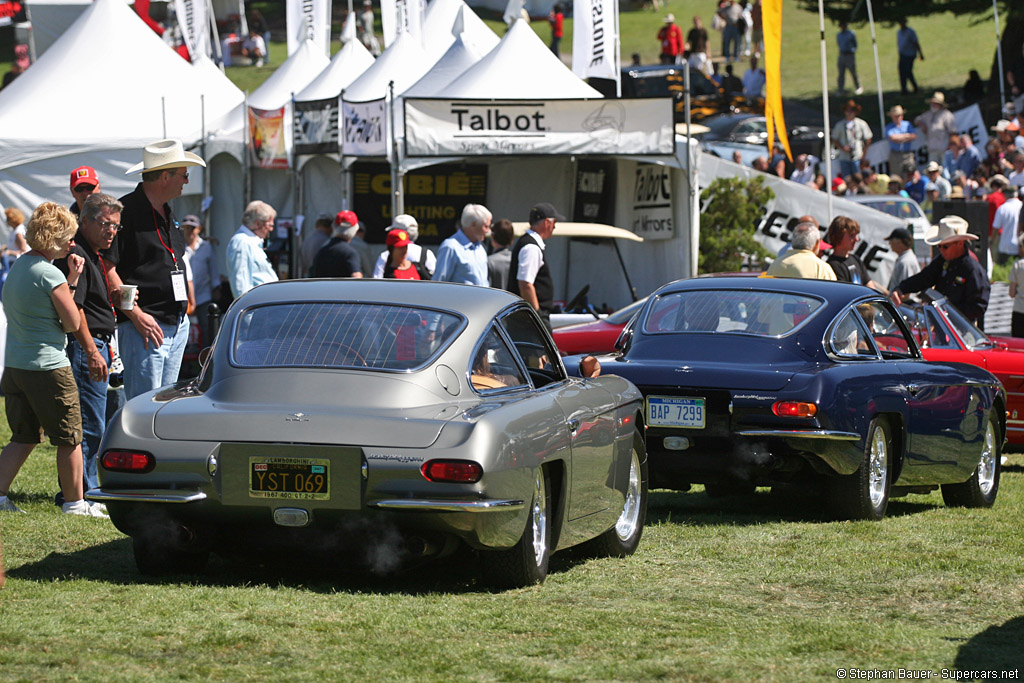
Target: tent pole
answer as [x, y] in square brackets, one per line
[163, 113]
[999, 56]
[694, 234]
[618, 54]
[878, 71]
[397, 200]
[246, 172]
[206, 171]
[297, 203]
[625, 271]
[824, 103]
[216, 53]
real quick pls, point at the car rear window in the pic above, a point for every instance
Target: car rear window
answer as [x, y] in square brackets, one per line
[757, 312]
[341, 334]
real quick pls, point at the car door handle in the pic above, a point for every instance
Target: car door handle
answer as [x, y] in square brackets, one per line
[913, 389]
[574, 424]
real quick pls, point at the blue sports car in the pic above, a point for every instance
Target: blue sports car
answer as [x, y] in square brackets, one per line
[779, 382]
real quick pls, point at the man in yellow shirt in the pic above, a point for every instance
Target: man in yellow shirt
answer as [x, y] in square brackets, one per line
[802, 259]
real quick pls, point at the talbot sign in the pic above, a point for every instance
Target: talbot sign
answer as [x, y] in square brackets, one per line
[438, 127]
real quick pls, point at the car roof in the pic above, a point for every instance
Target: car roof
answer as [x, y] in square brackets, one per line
[828, 289]
[469, 300]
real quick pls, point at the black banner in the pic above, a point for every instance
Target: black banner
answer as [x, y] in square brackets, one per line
[434, 196]
[595, 192]
[315, 126]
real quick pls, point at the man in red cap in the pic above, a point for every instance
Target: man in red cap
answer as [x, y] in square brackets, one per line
[337, 258]
[84, 182]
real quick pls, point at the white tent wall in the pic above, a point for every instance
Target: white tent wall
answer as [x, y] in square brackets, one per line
[50, 19]
[321, 189]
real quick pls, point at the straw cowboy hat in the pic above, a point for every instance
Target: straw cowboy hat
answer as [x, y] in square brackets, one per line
[165, 154]
[938, 98]
[897, 110]
[949, 229]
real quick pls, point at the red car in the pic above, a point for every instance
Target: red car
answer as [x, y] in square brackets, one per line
[944, 334]
[595, 337]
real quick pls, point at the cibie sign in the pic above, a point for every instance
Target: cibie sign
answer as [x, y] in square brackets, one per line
[436, 127]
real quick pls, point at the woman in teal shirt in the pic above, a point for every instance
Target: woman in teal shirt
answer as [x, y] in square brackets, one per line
[38, 385]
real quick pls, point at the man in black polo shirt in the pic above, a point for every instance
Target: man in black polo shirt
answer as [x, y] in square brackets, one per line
[528, 274]
[337, 258]
[150, 253]
[89, 348]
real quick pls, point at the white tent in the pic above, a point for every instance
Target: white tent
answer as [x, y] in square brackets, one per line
[47, 129]
[351, 61]
[298, 71]
[50, 19]
[439, 27]
[521, 66]
[466, 50]
[404, 63]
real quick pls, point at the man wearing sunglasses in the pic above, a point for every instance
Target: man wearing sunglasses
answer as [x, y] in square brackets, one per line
[84, 182]
[89, 348]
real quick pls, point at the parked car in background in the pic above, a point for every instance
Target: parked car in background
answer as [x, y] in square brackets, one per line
[807, 383]
[596, 336]
[336, 416]
[748, 134]
[944, 334]
[905, 209]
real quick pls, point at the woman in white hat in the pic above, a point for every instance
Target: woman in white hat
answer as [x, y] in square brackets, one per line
[955, 272]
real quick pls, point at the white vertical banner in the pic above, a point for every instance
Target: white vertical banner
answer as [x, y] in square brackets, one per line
[194, 20]
[401, 16]
[594, 37]
[309, 20]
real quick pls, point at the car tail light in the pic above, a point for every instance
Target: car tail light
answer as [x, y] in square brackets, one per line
[794, 409]
[128, 461]
[452, 471]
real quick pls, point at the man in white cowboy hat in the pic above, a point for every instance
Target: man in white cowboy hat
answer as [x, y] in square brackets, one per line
[901, 136]
[955, 272]
[937, 124]
[149, 252]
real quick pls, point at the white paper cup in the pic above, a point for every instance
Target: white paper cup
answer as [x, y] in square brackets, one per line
[128, 297]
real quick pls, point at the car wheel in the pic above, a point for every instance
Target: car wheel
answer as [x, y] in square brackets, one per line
[865, 493]
[526, 563]
[980, 490]
[623, 538]
[159, 556]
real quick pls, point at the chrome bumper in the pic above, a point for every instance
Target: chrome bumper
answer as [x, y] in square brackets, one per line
[145, 495]
[448, 505]
[801, 434]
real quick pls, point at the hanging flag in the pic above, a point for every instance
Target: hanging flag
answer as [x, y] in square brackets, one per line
[267, 138]
[194, 20]
[315, 127]
[594, 37]
[309, 20]
[364, 131]
[401, 16]
[771, 20]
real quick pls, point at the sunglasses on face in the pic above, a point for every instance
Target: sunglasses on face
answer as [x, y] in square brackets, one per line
[84, 188]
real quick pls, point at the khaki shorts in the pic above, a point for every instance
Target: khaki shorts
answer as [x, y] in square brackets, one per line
[42, 400]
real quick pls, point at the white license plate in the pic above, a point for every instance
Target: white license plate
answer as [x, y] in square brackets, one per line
[673, 411]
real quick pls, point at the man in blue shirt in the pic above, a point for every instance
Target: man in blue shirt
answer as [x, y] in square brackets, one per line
[909, 49]
[247, 261]
[901, 136]
[847, 41]
[462, 257]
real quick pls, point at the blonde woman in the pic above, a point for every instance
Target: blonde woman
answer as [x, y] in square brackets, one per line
[37, 382]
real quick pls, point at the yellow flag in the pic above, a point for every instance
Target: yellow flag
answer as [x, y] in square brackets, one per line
[771, 19]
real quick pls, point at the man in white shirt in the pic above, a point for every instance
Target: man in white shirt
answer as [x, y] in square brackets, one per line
[753, 80]
[902, 243]
[1005, 222]
[255, 49]
[247, 262]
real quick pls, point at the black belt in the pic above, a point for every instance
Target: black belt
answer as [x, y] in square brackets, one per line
[103, 337]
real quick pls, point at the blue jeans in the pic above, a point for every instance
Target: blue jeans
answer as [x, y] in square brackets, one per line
[731, 38]
[92, 395]
[152, 368]
[848, 167]
[907, 73]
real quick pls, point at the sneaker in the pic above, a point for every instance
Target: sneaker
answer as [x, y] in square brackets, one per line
[859, 90]
[82, 508]
[259, 62]
[7, 506]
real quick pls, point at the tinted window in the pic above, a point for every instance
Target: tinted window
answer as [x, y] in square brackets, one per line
[534, 346]
[850, 336]
[341, 334]
[751, 312]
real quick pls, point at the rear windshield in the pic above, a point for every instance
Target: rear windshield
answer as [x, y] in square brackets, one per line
[751, 312]
[341, 334]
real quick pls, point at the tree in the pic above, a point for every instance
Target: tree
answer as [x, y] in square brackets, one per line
[733, 207]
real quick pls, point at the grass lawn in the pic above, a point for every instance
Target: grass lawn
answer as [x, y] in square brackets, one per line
[760, 590]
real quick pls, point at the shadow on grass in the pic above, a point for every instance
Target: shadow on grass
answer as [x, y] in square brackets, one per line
[699, 509]
[114, 563]
[997, 648]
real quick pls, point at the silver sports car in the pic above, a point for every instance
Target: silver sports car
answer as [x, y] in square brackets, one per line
[379, 418]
